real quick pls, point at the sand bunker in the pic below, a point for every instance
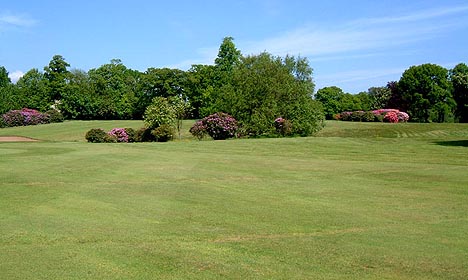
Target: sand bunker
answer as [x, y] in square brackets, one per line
[16, 139]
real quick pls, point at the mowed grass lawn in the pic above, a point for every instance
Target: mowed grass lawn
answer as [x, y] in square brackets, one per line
[359, 201]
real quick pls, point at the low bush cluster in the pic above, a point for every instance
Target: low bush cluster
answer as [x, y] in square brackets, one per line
[162, 133]
[219, 126]
[380, 115]
[122, 135]
[27, 116]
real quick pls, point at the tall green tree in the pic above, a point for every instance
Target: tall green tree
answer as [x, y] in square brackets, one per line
[34, 88]
[227, 61]
[427, 91]
[265, 87]
[80, 101]
[57, 75]
[331, 98]
[459, 79]
[228, 56]
[200, 85]
[161, 82]
[115, 86]
[4, 79]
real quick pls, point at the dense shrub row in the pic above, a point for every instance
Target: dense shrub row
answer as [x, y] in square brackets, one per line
[221, 126]
[162, 133]
[380, 115]
[27, 116]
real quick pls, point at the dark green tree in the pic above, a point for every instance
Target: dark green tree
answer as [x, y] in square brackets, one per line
[57, 75]
[427, 91]
[34, 88]
[200, 85]
[4, 79]
[459, 79]
[265, 87]
[228, 56]
[227, 61]
[161, 82]
[115, 86]
[79, 102]
[331, 99]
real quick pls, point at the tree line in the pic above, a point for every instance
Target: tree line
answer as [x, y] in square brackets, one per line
[254, 89]
[428, 92]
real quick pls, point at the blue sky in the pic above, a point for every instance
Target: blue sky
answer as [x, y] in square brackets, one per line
[351, 44]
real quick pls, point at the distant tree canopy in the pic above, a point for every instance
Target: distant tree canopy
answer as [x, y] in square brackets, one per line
[428, 92]
[255, 89]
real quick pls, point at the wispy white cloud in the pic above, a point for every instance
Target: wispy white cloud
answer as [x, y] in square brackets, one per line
[8, 19]
[362, 34]
[416, 16]
[15, 76]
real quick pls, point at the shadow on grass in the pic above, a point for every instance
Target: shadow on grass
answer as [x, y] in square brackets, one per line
[457, 143]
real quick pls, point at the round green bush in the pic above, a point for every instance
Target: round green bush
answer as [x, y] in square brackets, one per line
[54, 116]
[96, 135]
[163, 133]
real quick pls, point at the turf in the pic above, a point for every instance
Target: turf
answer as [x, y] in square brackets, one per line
[359, 201]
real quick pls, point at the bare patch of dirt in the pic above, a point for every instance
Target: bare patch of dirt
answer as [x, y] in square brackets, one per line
[16, 139]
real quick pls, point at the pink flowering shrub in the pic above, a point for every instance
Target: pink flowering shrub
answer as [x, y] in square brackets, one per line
[119, 134]
[219, 126]
[391, 117]
[24, 117]
[387, 115]
[403, 117]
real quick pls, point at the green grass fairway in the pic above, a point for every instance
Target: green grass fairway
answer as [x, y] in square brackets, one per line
[359, 201]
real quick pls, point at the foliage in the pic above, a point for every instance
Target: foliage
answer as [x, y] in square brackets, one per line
[228, 56]
[163, 133]
[131, 133]
[219, 126]
[265, 87]
[330, 98]
[96, 135]
[114, 88]
[33, 88]
[198, 130]
[120, 134]
[144, 135]
[379, 97]
[283, 127]
[10, 99]
[181, 108]
[459, 79]
[4, 79]
[160, 82]
[24, 117]
[391, 117]
[379, 115]
[160, 112]
[56, 74]
[54, 116]
[427, 91]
